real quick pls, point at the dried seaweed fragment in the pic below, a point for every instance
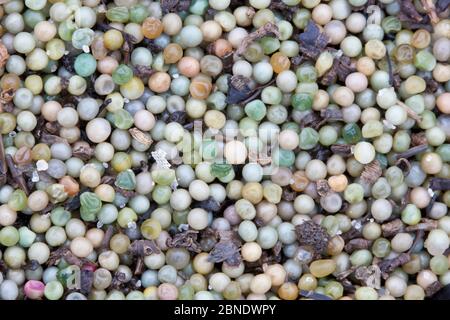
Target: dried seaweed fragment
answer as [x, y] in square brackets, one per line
[239, 89]
[312, 234]
[186, 239]
[312, 41]
[227, 249]
[371, 172]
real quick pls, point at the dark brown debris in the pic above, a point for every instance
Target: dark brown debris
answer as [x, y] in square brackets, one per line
[340, 69]
[16, 174]
[418, 139]
[239, 89]
[357, 244]
[412, 152]
[442, 5]
[391, 228]
[310, 233]
[331, 114]
[312, 41]
[344, 150]
[287, 11]
[288, 194]
[82, 150]
[186, 239]
[174, 5]
[143, 248]
[433, 288]
[66, 254]
[404, 165]
[143, 71]
[227, 249]
[314, 295]
[389, 265]
[86, 281]
[429, 7]
[107, 238]
[440, 184]
[408, 12]
[3, 164]
[353, 233]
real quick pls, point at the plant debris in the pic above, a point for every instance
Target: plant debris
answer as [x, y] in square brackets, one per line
[227, 249]
[267, 29]
[312, 41]
[186, 239]
[310, 233]
[371, 172]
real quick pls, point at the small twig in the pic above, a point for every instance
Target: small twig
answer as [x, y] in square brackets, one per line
[412, 152]
[314, 295]
[389, 265]
[411, 113]
[104, 104]
[391, 228]
[390, 69]
[419, 236]
[3, 165]
[357, 244]
[431, 204]
[425, 225]
[440, 184]
[345, 150]
[268, 28]
[433, 288]
[16, 174]
[106, 238]
[257, 91]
